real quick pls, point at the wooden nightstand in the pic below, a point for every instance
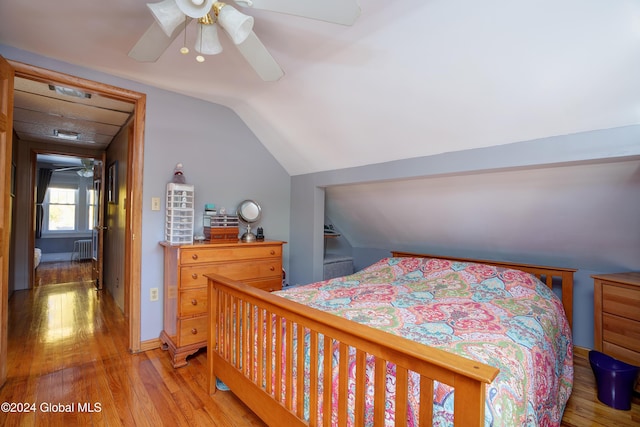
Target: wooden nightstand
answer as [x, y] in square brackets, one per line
[616, 306]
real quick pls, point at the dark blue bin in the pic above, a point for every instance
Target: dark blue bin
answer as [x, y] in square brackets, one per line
[614, 378]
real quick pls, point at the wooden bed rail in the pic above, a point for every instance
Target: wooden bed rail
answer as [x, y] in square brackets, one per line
[243, 351]
[543, 273]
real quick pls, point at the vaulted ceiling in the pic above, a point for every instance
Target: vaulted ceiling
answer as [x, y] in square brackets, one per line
[409, 78]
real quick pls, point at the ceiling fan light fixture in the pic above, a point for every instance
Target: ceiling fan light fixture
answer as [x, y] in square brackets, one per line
[167, 14]
[236, 24]
[207, 42]
[194, 8]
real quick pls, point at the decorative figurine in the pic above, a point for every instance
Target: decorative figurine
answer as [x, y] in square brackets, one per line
[178, 175]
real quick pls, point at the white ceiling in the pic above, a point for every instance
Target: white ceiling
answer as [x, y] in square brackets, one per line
[409, 78]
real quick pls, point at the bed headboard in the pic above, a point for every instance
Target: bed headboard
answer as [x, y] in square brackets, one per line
[543, 273]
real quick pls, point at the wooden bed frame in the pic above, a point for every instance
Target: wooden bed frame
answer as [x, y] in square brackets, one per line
[242, 359]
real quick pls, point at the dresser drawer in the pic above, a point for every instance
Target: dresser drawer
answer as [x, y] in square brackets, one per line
[620, 300]
[195, 276]
[235, 253]
[621, 353]
[193, 302]
[193, 330]
[621, 331]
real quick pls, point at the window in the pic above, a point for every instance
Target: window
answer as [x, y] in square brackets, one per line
[61, 209]
[69, 206]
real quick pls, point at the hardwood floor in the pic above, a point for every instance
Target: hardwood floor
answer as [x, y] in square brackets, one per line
[67, 351]
[51, 273]
[584, 409]
[67, 346]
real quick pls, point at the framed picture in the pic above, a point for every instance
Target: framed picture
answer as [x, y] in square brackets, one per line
[112, 183]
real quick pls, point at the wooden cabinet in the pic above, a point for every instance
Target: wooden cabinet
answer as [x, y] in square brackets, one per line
[617, 316]
[185, 286]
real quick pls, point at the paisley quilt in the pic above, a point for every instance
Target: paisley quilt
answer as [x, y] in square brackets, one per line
[502, 317]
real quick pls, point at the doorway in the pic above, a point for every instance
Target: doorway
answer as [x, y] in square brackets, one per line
[66, 211]
[22, 255]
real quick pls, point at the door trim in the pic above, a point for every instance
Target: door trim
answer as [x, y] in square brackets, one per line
[135, 164]
[6, 201]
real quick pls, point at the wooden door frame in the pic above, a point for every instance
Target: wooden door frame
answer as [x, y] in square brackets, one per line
[6, 146]
[135, 164]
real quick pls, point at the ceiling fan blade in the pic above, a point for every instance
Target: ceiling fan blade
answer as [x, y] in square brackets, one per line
[153, 43]
[260, 59]
[343, 12]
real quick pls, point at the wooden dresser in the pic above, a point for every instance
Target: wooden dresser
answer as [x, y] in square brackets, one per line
[185, 286]
[616, 307]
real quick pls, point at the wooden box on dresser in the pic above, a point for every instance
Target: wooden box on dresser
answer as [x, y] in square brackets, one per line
[616, 309]
[185, 286]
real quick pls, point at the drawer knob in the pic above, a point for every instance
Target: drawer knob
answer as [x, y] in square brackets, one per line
[194, 302]
[194, 331]
[272, 268]
[194, 275]
[194, 256]
[273, 252]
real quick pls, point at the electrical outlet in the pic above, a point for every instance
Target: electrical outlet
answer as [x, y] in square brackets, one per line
[153, 294]
[155, 203]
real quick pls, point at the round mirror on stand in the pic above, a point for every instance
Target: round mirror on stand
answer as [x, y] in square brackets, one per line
[249, 212]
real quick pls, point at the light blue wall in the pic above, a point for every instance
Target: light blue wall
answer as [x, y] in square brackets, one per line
[378, 219]
[307, 194]
[221, 157]
[225, 162]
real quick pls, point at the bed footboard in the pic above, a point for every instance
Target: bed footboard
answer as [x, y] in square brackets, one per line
[253, 348]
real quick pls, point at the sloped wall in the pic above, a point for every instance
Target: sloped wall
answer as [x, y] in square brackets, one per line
[584, 216]
[569, 201]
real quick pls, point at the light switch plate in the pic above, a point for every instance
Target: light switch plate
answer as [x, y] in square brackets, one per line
[155, 203]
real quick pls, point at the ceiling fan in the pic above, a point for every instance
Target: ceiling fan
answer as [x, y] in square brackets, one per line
[86, 170]
[173, 16]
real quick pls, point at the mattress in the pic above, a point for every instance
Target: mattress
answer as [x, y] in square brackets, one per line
[502, 317]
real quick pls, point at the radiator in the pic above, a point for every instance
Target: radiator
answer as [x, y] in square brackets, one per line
[81, 250]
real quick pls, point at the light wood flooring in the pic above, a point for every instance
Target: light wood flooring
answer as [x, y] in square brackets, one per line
[67, 346]
[53, 273]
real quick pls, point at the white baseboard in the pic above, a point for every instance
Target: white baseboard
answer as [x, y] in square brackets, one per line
[56, 257]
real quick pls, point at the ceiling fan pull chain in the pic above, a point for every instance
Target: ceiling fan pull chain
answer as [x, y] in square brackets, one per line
[184, 49]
